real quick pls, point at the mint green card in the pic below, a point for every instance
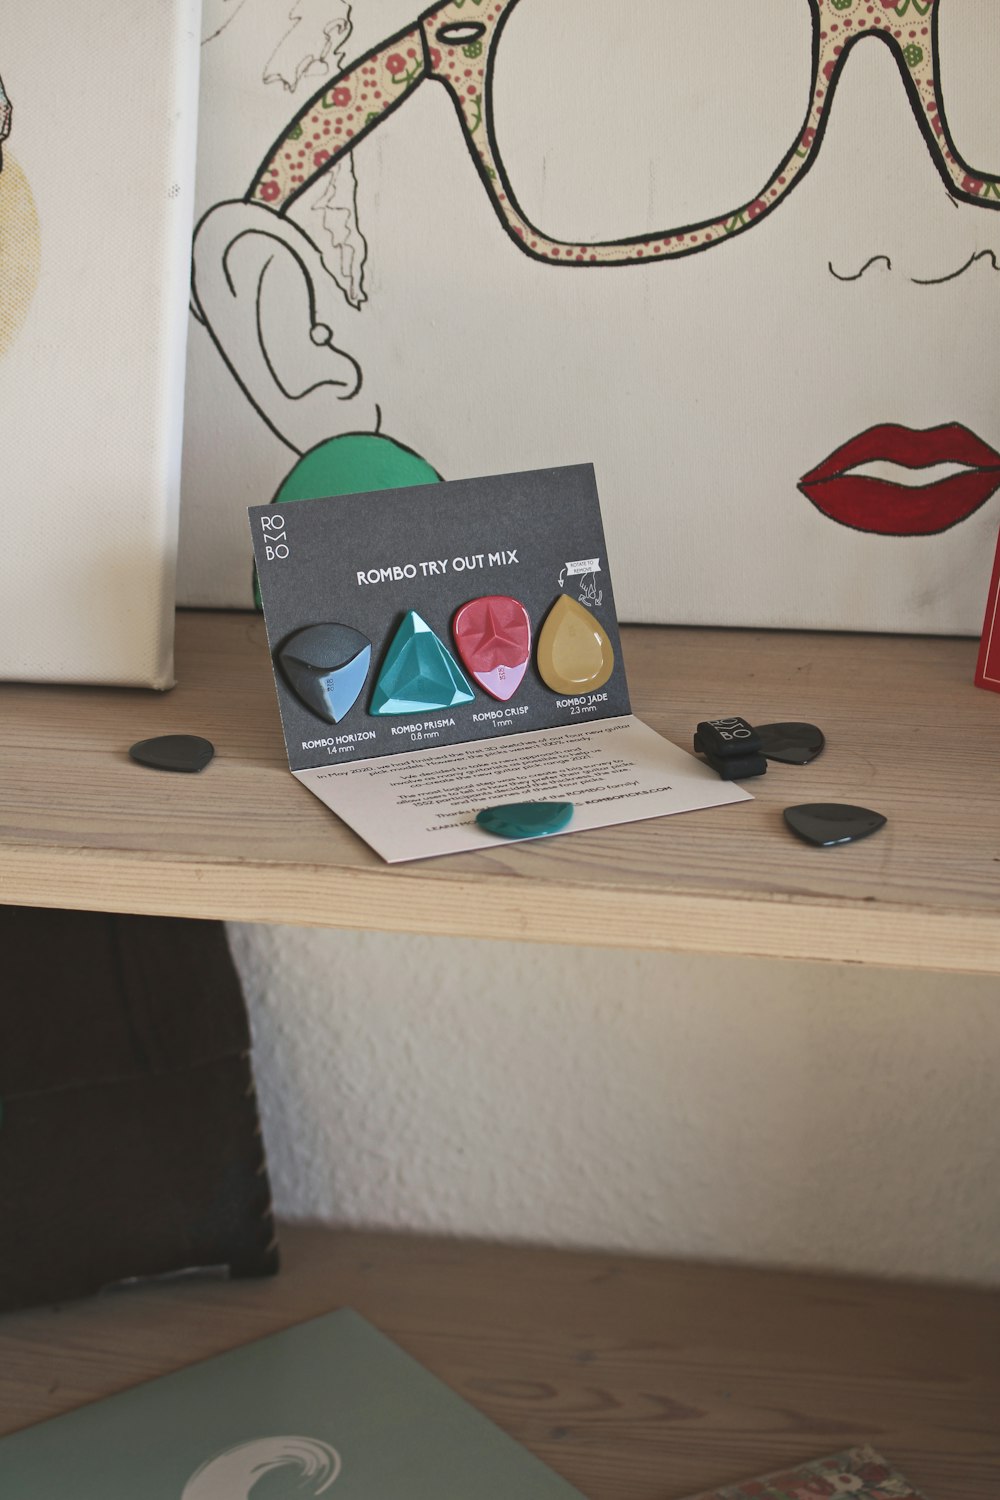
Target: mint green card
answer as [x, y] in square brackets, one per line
[331, 1407]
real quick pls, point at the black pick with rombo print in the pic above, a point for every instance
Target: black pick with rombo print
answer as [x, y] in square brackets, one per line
[731, 747]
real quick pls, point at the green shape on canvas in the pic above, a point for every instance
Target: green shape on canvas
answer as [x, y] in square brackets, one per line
[351, 465]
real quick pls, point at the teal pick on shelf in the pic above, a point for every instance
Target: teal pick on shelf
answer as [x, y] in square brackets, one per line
[525, 820]
[419, 673]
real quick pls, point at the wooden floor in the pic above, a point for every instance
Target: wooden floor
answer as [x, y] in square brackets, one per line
[635, 1379]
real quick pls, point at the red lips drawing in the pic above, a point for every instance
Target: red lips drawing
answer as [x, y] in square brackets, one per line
[887, 509]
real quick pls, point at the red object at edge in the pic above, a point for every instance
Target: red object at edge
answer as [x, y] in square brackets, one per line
[988, 665]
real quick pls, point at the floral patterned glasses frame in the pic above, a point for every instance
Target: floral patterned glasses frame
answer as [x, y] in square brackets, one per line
[456, 45]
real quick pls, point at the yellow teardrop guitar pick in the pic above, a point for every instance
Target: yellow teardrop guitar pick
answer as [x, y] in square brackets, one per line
[574, 652]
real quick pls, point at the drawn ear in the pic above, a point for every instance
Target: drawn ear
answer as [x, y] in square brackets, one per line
[260, 288]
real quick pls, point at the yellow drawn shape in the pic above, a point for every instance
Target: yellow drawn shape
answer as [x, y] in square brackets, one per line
[20, 250]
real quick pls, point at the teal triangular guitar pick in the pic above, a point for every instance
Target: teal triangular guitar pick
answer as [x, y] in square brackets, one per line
[419, 673]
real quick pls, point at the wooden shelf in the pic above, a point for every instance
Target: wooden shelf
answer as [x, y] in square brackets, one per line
[82, 826]
[636, 1379]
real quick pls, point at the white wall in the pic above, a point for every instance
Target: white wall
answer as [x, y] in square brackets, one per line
[791, 1114]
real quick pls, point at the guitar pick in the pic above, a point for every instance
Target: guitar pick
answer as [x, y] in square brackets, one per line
[173, 752]
[493, 637]
[794, 744]
[574, 653]
[525, 820]
[419, 673]
[829, 823]
[326, 666]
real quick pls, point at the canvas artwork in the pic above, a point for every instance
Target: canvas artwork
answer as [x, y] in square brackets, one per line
[743, 259]
[98, 107]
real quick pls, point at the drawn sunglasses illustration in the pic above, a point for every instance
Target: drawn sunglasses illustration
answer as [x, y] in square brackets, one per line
[459, 47]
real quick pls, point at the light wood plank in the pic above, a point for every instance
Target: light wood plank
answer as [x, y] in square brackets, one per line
[636, 1379]
[82, 826]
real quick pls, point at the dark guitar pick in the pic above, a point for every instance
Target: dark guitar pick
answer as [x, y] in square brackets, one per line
[795, 744]
[326, 667]
[828, 823]
[174, 752]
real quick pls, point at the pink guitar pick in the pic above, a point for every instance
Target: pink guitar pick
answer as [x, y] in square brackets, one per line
[493, 638]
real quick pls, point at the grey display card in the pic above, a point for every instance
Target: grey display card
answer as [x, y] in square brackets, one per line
[365, 561]
[339, 578]
[331, 1407]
